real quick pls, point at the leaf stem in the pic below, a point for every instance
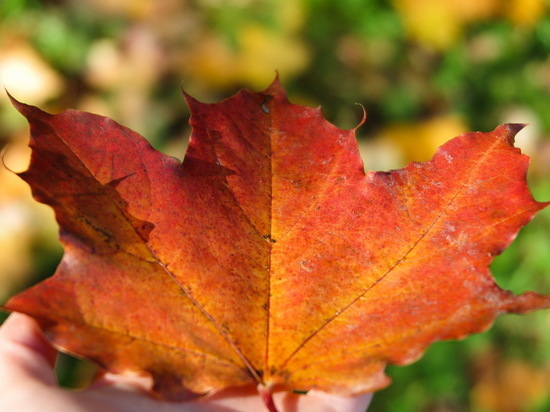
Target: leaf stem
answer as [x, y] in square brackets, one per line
[266, 394]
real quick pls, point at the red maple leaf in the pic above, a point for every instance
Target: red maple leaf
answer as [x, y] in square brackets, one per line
[268, 256]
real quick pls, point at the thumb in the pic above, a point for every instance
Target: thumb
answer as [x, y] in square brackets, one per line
[24, 352]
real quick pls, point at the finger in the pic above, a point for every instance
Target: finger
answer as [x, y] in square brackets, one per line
[323, 402]
[121, 395]
[131, 382]
[243, 399]
[24, 351]
[247, 399]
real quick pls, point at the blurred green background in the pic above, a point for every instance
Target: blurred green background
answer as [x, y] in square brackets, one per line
[425, 70]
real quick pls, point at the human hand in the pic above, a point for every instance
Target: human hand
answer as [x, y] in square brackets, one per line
[28, 384]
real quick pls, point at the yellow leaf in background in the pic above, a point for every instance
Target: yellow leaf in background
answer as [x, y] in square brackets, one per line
[419, 141]
[439, 24]
[264, 51]
[212, 63]
[507, 384]
[524, 12]
[291, 15]
[258, 51]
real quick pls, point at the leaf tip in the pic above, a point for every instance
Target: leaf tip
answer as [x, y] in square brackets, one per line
[509, 130]
[275, 87]
[525, 302]
[25, 109]
[16, 103]
[363, 119]
[187, 96]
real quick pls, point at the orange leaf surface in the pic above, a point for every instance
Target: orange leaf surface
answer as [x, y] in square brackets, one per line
[268, 256]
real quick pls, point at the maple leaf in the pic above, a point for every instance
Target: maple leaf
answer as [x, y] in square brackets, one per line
[268, 256]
